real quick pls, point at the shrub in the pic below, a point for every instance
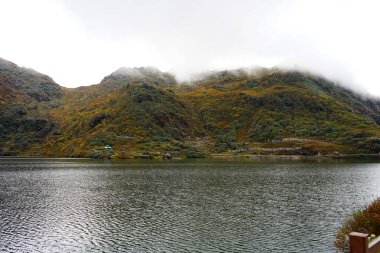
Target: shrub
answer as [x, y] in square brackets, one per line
[195, 154]
[266, 129]
[225, 141]
[97, 119]
[96, 155]
[366, 221]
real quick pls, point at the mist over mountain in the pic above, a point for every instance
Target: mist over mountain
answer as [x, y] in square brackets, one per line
[143, 112]
[149, 75]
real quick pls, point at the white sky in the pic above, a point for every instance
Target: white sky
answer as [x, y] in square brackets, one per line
[78, 42]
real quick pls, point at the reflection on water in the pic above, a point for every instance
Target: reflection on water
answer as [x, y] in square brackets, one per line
[207, 206]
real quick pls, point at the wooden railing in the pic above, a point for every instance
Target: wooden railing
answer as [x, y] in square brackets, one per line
[359, 243]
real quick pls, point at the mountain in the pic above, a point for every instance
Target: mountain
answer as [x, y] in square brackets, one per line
[26, 98]
[143, 112]
[142, 75]
[131, 112]
[272, 105]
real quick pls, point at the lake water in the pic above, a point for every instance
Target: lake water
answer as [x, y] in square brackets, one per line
[58, 205]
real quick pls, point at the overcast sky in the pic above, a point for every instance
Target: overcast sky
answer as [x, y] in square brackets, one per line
[78, 42]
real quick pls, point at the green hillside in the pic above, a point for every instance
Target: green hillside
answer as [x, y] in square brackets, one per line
[142, 112]
[271, 105]
[26, 98]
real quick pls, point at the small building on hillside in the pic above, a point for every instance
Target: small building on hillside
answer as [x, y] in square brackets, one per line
[107, 151]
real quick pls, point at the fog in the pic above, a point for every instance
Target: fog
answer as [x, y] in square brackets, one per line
[80, 42]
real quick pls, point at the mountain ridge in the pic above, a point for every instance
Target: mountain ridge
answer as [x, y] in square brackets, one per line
[143, 112]
[26, 97]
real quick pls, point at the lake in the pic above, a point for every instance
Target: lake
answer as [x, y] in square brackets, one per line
[69, 205]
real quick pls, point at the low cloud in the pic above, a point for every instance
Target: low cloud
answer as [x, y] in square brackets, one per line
[333, 38]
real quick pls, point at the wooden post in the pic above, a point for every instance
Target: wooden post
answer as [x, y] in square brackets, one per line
[374, 246]
[358, 242]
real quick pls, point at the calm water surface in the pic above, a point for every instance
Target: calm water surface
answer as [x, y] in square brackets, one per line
[187, 206]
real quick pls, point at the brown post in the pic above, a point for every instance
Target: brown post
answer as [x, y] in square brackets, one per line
[358, 242]
[374, 246]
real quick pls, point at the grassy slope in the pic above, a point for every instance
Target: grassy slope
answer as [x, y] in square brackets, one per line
[143, 110]
[273, 104]
[132, 115]
[26, 98]
[222, 111]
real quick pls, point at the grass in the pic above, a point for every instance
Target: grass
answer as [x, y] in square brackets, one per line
[366, 220]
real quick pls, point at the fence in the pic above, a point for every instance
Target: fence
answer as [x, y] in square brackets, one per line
[359, 243]
[266, 149]
[299, 140]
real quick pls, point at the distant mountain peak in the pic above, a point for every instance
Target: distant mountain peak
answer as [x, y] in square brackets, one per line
[28, 83]
[4, 64]
[136, 71]
[10, 66]
[147, 75]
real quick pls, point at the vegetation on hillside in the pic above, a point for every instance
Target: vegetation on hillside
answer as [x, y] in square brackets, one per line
[26, 98]
[272, 105]
[142, 112]
[366, 220]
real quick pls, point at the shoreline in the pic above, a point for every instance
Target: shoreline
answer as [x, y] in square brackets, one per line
[44, 157]
[219, 156]
[296, 157]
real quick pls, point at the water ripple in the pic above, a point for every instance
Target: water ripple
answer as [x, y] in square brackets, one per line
[80, 206]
